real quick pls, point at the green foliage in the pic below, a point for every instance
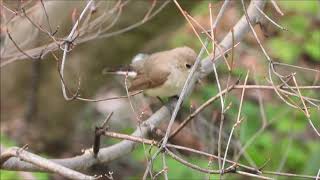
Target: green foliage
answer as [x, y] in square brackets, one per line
[296, 25]
[41, 176]
[287, 124]
[128, 130]
[296, 155]
[286, 51]
[176, 170]
[305, 7]
[314, 158]
[201, 9]
[5, 141]
[250, 124]
[10, 175]
[312, 46]
[186, 39]
[301, 37]
[261, 148]
[207, 92]
[7, 175]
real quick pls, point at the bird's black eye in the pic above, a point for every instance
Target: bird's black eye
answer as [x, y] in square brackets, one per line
[188, 66]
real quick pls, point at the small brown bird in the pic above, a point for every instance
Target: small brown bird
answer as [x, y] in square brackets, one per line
[161, 74]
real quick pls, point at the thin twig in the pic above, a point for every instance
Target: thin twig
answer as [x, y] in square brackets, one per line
[185, 14]
[137, 117]
[250, 170]
[47, 17]
[40, 28]
[8, 59]
[221, 12]
[66, 49]
[193, 166]
[165, 174]
[214, 65]
[110, 98]
[17, 46]
[153, 4]
[237, 122]
[275, 5]
[190, 80]
[198, 110]
[273, 22]
[297, 67]
[306, 112]
[305, 109]
[214, 43]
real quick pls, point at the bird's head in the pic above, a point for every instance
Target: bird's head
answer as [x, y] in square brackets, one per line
[185, 58]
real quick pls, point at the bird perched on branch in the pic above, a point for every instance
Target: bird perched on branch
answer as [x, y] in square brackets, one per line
[161, 74]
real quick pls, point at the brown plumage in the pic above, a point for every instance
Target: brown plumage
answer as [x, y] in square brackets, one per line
[162, 73]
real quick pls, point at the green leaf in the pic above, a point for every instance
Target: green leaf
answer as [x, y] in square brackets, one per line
[179, 39]
[286, 51]
[41, 175]
[175, 169]
[297, 156]
[312, 46]
[5, 141]
[208, 91]
[296, 25]
[265, 140]
[314, 159]
[310, 6]
[8, 175]
[201, 9]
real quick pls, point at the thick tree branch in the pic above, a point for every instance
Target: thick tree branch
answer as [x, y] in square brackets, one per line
[46, 165]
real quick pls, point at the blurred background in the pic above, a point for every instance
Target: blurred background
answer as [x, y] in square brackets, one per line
[34, 112]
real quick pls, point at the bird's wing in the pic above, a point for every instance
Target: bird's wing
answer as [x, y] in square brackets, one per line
[146, 80]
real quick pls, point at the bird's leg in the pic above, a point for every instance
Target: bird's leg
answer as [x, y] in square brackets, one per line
[168, 105]
[162, 102]
[174, 97]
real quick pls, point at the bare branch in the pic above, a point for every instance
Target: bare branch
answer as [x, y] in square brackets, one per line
[41, 163]
[276, 24]
[238, 121]
[201, 108]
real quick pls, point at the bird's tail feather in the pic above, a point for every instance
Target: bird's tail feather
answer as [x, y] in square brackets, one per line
[121, 70]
